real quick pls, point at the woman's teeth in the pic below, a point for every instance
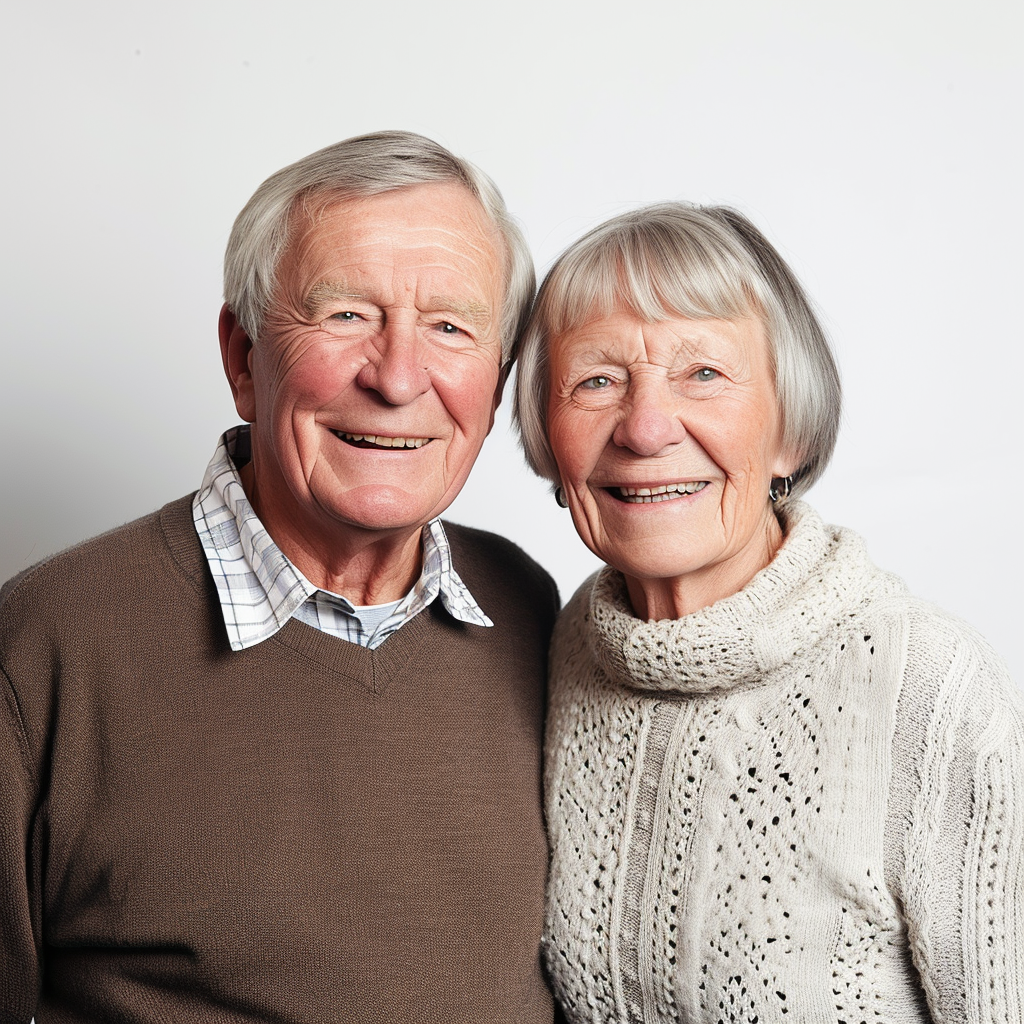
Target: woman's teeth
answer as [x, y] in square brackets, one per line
[666, 492]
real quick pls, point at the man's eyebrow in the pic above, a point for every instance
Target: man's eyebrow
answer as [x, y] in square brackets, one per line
[325, 292]
[474, 312]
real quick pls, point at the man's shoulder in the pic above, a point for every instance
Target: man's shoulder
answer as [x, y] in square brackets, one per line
[127, 557]
[487, 561]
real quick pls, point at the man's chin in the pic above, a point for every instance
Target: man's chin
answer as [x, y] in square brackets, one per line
[381, 508]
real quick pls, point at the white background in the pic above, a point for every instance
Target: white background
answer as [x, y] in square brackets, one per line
[878, 144]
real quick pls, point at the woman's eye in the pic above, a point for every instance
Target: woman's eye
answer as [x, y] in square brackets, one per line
[596, 383]
[705, 373]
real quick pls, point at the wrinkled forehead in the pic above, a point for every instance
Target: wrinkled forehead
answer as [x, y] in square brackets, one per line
[443, 204]
[437, 229]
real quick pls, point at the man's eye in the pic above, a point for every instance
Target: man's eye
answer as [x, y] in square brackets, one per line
[705, 373]
[596, 383]
[346, 317]
[448, 328]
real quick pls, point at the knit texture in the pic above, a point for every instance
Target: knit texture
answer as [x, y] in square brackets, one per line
[804, 803]
[306, 830]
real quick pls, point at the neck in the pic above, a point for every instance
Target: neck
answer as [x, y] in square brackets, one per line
[364, 566]
[677, 596]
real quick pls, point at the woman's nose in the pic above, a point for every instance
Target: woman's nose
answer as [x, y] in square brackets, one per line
[651, 419]
[395, 367]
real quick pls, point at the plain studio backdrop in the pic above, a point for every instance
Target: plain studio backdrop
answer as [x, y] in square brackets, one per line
[877, 144]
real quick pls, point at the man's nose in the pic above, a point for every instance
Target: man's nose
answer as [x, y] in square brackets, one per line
[395, 367]
[651, 418]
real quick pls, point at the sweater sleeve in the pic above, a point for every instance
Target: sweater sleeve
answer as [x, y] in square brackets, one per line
[956, 823]
[19, 955]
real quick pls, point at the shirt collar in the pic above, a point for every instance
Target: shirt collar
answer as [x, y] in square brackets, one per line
[259, 588]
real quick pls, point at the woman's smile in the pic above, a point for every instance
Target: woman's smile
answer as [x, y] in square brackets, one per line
[656, 493]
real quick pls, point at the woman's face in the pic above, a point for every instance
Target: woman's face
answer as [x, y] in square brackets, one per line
[666, 437]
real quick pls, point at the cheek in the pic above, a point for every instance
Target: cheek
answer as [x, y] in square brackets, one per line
[311, 381]
[742, 442]
[468, 393]
[572, 439]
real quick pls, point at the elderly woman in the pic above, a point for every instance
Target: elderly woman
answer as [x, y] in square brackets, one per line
[779, 788]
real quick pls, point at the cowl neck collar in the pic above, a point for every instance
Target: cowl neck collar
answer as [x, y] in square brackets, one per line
[820, 576]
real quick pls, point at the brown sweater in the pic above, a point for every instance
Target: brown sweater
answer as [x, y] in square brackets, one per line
[303, 831]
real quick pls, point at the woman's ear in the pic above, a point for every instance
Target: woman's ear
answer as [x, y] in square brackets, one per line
[236, 355]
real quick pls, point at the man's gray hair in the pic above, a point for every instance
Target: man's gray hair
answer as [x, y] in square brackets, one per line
[366, 165]
[681, 260]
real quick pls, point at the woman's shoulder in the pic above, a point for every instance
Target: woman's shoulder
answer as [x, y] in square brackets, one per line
[938, 646]
[954, 682]
[941, 646]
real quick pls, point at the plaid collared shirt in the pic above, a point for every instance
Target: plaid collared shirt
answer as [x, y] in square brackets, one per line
[259, 588]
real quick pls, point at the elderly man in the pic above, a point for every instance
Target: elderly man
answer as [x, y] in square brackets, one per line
[273, 752]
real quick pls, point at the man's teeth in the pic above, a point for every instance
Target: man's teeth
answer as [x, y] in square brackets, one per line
[666, 492]
[385, 442]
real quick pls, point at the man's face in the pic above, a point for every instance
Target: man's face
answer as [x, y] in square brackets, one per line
[378, 374]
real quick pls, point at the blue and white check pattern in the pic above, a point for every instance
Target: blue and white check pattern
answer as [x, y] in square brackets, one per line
[260, 589]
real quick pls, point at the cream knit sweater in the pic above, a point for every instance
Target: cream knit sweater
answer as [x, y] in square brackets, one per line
[802, 804]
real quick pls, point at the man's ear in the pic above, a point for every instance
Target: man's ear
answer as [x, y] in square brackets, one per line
[236, 355]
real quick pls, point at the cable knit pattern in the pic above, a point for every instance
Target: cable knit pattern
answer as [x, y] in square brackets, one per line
[804, 803]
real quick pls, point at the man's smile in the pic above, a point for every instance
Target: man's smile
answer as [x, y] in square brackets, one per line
[380, 440]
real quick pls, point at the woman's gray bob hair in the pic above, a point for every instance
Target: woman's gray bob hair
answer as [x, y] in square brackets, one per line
[680, 260]
[365, 165]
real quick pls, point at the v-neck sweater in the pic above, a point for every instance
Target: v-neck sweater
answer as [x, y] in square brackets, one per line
[802, 803]
[307, 830]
